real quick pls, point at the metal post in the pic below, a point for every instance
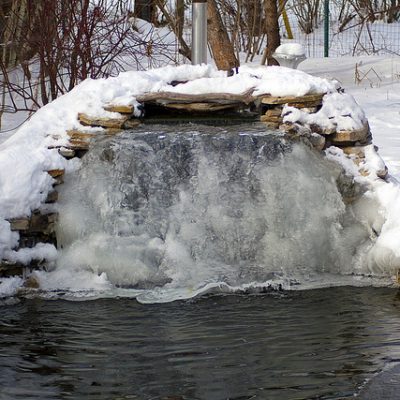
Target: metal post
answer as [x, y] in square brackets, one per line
[326, 28]
[199, 32]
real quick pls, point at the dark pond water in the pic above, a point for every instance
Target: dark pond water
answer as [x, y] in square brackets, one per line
[318, 344]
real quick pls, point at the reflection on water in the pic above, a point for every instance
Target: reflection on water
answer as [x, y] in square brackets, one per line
[320, 344]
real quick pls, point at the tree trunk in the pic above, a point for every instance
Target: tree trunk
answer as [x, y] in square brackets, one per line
[180, 17]
[272, 31]
[218, 39]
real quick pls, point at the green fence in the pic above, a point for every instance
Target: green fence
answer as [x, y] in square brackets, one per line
[344, 31]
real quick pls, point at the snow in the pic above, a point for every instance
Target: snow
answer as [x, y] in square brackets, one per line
[10, 286]
[339, 112]
[42, 251]
[291, 49]
[25, 156]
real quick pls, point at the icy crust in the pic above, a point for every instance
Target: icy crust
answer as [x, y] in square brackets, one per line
[384, 217]
[85, 285]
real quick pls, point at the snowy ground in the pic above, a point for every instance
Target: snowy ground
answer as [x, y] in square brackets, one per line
[373, 81]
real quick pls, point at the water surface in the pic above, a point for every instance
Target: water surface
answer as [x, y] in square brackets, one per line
[317, 344]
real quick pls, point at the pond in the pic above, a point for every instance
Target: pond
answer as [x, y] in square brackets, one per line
[314, 344]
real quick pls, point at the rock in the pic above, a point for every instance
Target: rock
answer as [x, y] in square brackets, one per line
[348, 188]
[269, 124]
[57, 175]
[77, 145]
[43, 223]
[52, 197]
[357, 151]
[19, 224]
[54, 173]
[66, 152]
[79, 135]
[32, 282]
[131, 123]
[382, 173]
[308, 110]
[343, 138]
[318, 141]
[8, 269]
[86, 120]
[127, 109]
[289, 128]
[309, 100]
[113, 131]
[273, 118]
[274, 112]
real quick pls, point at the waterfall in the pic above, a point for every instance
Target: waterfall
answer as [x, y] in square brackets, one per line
[172, 211]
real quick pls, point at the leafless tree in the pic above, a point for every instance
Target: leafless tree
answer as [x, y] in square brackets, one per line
[54, 45]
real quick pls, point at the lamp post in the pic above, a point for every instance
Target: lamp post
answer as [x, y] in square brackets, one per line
[199, 32]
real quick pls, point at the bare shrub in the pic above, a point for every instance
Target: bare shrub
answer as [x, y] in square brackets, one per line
[307, 13]
[54, 45]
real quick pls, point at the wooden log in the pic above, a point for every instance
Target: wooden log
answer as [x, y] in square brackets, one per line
[300, 100]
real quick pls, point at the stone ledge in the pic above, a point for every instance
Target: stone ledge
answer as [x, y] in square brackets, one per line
[87, 120]
[120, 109]
[309, 100]
[36, 223]
[361, 136]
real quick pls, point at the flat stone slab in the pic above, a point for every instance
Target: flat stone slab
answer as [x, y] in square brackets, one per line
[79, 135]
[75, 144]
[271, 118]
[120, 109]
[220, 98]
[54, 173]
[202, 107]
[343, 137]
[19, 224]
[43, 223]
[308, 100]
[87, 120]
